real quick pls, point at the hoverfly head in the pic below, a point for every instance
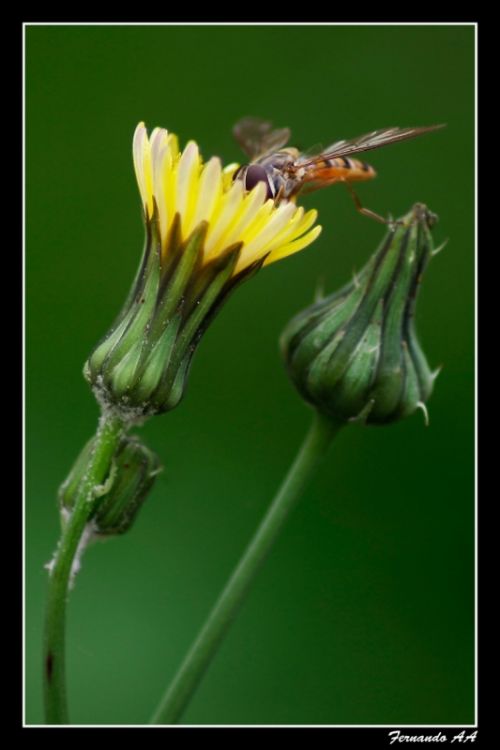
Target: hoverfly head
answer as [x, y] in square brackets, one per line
[252, 174]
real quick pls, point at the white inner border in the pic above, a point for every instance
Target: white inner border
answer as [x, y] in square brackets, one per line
[257, 23]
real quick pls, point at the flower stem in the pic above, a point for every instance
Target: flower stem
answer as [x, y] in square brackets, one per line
[212, 633]
[107, 439]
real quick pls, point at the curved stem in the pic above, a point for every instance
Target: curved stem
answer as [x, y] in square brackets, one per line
[205, 646]
[106, 441]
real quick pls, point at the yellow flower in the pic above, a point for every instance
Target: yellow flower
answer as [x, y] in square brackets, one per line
[205, 233]
[181, 183]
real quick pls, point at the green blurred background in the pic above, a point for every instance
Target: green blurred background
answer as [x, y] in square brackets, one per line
[364, 613]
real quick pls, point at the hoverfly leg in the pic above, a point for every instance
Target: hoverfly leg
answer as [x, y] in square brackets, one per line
[367, 211]
[279, 195]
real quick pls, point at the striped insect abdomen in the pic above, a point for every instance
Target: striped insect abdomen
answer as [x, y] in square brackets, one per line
[340, 169]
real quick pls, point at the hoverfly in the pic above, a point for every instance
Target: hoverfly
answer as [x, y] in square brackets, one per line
[286, 171]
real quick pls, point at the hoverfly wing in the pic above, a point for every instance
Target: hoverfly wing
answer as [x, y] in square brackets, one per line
[368, 142]
[257, 137]
[313, 152]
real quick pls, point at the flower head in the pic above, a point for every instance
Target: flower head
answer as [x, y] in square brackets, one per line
[175, 183]
[205, 233]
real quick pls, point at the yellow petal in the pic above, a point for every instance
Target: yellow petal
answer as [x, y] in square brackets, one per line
[228, 175]
[250, 205]
[256, 248]
[293, 247]
[159, 160]
[187, 184]
[142, 164]
[209, 191]
[229, 205]
[169, 180]
[173, 144]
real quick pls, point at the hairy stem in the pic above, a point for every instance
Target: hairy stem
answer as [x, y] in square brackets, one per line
[107, 439]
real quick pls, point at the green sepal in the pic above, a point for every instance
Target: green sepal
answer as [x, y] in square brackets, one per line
[156, 362]
[124, 373]
[412, 394]
[135, 314]
[174, 290]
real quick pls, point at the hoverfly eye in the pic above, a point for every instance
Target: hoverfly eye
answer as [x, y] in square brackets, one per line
[254, 174]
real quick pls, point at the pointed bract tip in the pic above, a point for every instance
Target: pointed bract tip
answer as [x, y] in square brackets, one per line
[425, 412]
[436, 372]
[440, 247]
[364, 413]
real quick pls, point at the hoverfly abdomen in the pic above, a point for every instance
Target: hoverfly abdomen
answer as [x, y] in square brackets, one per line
[339, 169]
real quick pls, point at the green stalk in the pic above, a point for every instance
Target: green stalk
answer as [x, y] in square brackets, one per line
[212, 633]
[107, 439]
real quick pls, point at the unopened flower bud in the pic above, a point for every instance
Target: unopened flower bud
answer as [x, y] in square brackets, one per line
[355, 354]
[136, 469]
[130, 480]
